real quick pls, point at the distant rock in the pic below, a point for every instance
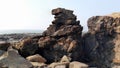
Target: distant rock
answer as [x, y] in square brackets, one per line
[115, 15]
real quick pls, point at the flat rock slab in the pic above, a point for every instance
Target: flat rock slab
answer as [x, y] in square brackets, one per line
[12, 59]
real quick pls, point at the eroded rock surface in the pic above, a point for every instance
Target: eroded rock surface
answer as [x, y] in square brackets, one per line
[27, 47]
[63, 46]
[102, 41]
[62, 37]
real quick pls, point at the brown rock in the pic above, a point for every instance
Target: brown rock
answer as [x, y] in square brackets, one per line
[76, 64]
[36, 58]
[58, 65]
[115, 15]
[27, 46]
[57, 40]
[72, 45]
[65, 59]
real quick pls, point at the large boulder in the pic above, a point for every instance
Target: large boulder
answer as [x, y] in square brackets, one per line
[27, 46]
[62, 37]
[102, 41]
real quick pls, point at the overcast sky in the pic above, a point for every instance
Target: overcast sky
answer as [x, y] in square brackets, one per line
[36, 14]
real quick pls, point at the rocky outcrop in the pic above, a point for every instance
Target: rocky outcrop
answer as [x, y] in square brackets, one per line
[62, 37]
[102, 41]
[63, 46]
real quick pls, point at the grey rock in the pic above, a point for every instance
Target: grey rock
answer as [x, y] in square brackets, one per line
[12, 59]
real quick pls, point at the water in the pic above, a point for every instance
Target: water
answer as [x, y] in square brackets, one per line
[19, 31]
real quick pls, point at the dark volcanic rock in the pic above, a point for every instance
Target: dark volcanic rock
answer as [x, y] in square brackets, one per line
[101, 42]
[63, 37]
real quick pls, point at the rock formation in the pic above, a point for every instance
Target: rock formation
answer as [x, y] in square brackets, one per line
[63, 37]
[102, 41]
[63, 46]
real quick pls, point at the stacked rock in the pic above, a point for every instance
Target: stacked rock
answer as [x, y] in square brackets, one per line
[63, 37]
[63, 18]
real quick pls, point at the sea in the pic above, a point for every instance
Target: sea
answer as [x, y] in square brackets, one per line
[19, 31]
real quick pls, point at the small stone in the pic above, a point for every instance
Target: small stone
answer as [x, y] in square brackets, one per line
[65, 59]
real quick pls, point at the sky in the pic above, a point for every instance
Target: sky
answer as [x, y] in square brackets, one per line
[36, 14]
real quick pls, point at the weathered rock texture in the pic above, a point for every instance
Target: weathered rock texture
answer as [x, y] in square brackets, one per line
[99, 47]
[62, 37]
[27, 47]
[102, 41]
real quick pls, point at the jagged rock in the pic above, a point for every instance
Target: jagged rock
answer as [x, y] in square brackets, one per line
[4, 46]
[36, 58]
[11, 59]
[62, 37]
[67, 30]
[64, 21]
[102, 41]
[65, 59]
[27, 46]
[76, 64]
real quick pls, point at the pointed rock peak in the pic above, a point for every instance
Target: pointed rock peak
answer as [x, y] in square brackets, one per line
[65, 59]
